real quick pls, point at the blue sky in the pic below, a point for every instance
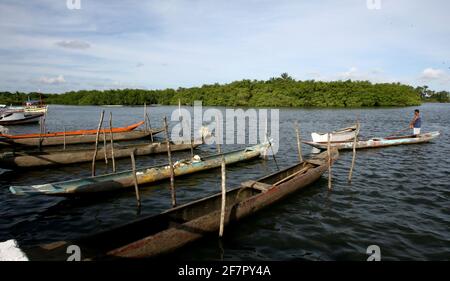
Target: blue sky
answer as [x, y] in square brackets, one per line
[169, 44]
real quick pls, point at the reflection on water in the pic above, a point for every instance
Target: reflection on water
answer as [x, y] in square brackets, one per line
[398, 199]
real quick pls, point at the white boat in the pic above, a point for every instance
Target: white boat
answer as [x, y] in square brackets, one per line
[344, 134]
[17, 118]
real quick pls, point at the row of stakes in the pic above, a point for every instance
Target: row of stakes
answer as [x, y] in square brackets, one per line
[223, 163]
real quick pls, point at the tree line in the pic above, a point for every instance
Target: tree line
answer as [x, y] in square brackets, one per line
[282, 91]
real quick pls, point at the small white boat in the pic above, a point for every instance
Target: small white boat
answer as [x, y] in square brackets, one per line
[17, 118]
[344, 134]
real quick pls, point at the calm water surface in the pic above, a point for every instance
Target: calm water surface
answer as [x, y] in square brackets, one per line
[399, 198]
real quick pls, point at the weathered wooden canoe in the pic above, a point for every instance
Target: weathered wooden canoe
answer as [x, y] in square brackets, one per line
[164, 233]
[344, 134]
[377, 142]
[74, 133]
[76, 139]
[23, 159]
[146, 175]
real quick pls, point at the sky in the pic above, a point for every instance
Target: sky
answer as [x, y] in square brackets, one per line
[52, 46]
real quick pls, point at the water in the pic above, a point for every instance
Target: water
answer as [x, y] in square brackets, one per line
[399, 198]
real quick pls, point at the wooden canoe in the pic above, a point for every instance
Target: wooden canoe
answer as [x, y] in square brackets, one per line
[23, 159]
[19, 118]
[168, 231]
[73, 133]
[344, 134]
[377, 142]
[76, 139]
[121, 180]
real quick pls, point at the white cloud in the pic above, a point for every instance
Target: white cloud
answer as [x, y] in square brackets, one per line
[431, 74]
[74, 44]
[52, 80]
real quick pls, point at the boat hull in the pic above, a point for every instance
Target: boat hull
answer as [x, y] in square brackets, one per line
[121, 180]
[377, 143]
[23, 119]
[76, 139]
[32, 160]
[152, 236]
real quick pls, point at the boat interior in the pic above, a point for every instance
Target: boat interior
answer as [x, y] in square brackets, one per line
[98, 244]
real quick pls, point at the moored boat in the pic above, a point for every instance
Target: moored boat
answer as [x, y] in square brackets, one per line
[19, 118]
[23, 159]
[377, 142]
[170, 230]
[344, 134]
[75, 139]
[121, 180]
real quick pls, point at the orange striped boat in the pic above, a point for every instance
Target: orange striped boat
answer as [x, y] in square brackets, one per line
[74, 133]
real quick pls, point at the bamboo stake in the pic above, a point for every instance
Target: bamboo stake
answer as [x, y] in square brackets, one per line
[224, 196]
[40, 133]
[150, 127]
[64, 137]
[273, 154]
[299, 143]
[329, 160]
[136, 186]
[104, 148]
[169, 154]
[112, 142]
[96, 142]
[350, 174]
[218, 135]
[192, 148]
[145, 117]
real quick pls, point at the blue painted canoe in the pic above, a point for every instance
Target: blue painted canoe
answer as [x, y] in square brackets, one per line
[146, 175]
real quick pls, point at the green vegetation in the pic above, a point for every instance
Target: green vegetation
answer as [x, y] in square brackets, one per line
[428, 95]
[276, 92]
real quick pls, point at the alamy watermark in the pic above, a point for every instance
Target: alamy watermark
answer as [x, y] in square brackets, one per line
[73, 4]
[238, 126]
[374, 253]
[373, 4]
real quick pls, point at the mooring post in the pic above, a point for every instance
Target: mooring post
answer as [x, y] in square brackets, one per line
[64, 137]
[224, 196]
[192, 147]
[350, 173]
[112, 142]
[40, 133]
[104, 149]
[169, 154]
[299, 142]
[273, 153]
[145, 117]
[329, 159]
[136, 186]
[96, 142]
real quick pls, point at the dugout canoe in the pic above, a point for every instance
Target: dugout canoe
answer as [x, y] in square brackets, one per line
[24, 159]
[170, 230]
[377, 142]
[73, 133]
[122, 180]
[76, 139]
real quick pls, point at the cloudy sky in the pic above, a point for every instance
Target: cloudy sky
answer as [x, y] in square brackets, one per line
[46, 46]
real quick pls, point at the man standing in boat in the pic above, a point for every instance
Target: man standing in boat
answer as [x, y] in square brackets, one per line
[416, 122]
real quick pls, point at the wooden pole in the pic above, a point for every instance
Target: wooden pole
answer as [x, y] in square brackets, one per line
[299, 142]
[224, 196]
[150, 127]
[104, 149]
[350, 174]
[192, 148]
[218, 135]
[273, 154]
[136, 187]
[329, 159]
[169, 154]
[96, 142]
[145, 117]
[64, 137]
[112, 143]
[41, 128]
